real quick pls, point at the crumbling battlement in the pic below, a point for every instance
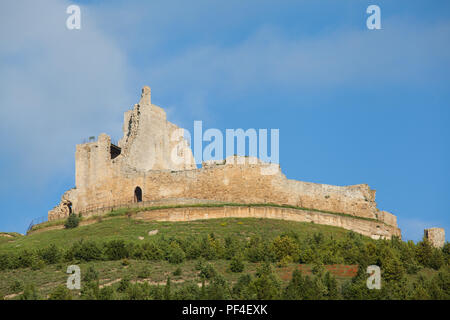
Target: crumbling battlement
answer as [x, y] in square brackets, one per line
[142, 167]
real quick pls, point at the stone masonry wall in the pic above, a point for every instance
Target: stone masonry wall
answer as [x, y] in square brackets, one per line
[371, 229]
[238, 183]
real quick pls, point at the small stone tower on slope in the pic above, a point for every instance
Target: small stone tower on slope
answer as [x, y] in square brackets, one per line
[436, 236]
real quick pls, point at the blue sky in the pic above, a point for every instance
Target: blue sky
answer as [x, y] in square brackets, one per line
[353, 105]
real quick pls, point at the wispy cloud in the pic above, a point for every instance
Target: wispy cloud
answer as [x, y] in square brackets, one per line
[399, 54]
[57, 86]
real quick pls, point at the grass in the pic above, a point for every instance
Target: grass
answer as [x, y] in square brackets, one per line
[121, 227]
[124, 211]
[6, 237]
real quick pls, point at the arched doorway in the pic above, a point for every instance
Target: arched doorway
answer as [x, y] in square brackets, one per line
[138, 194]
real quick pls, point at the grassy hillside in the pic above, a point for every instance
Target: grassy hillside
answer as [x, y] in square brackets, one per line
[123, 228]
[234, 258]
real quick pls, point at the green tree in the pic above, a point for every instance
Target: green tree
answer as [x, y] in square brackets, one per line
[168, 290]
[242, 290]
[91, 274]
[393, 269]
[285, 246]
[176, 254]
[218, 288]
[60, 293]
[237, 263]
[30, 293]
[266, 285]
[90, 290]
[85, 251]
[116, 250]
[107, 293]
[189, 291]
[51, 254]
[332, 287]
[445, 251]
[424, 252]
[72, 221]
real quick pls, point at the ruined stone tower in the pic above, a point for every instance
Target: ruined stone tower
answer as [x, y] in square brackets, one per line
[436, 236]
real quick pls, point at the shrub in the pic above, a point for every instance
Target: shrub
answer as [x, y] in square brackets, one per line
[176, 254]
[24, 259]
[231, 247]
[124, 284]
[437, 259]
[60, 293]
[194, 249]
[90, 290]
[241, 289]
[446, 252]
[144, 273]
[107, 293]
[116, 250]
[189, 291]
[237, 264]
[257, 250]
[50, 254]
[6, 261]
[307, 288]
[149, 251]
[177, 272]
[211, 248]
[424, 252]
[393, 269]
[167, 293]
[30, 293]
[318, 267]
[207, 271]
[332, 286]
[137, 292]
[84, 251]
[72, 221]
[37, 263]
[218, 288]
[285, 261]
[16, 286]
[266, 285]
[90, 274]
[157, 292]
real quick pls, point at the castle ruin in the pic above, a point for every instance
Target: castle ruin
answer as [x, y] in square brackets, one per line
[141, 171]
[436, 236]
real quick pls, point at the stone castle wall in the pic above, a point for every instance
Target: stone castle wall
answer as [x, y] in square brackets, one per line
[147, 161]
[238, 183]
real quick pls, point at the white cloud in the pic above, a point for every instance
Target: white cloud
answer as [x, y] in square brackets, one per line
[57, 86]
[403, 53]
